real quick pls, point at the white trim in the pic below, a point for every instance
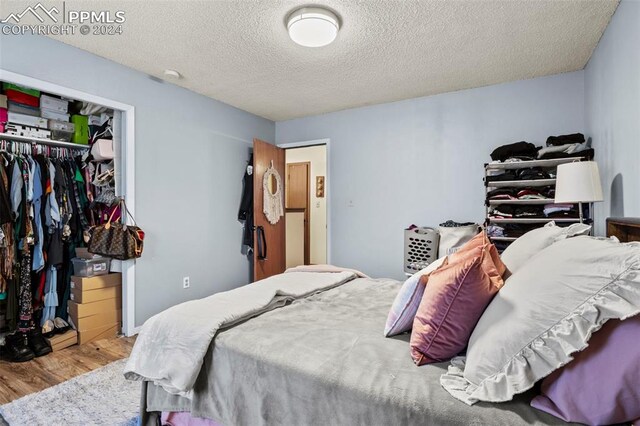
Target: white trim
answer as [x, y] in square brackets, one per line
[128, 172]
[327, 180]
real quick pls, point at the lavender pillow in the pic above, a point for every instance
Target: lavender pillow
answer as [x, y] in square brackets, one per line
[407, 300]
[601, 384]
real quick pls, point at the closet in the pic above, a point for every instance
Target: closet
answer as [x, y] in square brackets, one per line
[58, 179]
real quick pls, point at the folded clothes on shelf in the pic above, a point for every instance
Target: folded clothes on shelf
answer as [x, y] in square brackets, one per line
[532, 173]
[556, 208]
[495, 231]
[565, 139]
[565, 149]
[506, 211]
[518, 229]
[528, 173]
[518, 149]
[587, 153]
[507, 175]
[499, 192]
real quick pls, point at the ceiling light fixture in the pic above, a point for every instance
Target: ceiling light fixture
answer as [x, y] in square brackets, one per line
[313, 26]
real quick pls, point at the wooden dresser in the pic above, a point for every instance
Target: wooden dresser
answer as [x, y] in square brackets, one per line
[624, 228]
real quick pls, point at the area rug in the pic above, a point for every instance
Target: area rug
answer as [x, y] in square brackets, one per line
[100, 397]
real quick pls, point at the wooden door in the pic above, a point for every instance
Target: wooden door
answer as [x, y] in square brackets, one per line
[269, 239]
[298, 175]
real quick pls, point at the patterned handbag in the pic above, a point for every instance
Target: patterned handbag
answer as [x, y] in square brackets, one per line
[117, 240]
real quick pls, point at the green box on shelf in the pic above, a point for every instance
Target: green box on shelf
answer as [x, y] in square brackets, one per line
[81, 133]
[10, 86]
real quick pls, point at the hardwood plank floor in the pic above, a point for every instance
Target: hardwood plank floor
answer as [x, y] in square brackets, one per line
[20, 379]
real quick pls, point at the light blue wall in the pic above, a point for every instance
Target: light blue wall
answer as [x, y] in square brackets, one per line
[190, 158]
[612, 93]
[421, 160]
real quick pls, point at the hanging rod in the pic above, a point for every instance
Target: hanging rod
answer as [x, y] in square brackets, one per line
[61, 144]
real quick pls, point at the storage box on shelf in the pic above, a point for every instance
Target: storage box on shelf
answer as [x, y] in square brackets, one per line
[23, 109]
[91, 267]
[549, 165]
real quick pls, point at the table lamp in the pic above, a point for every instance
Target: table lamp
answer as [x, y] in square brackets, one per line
[578, 182]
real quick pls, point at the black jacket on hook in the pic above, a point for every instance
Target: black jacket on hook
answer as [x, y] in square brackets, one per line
[246, 206]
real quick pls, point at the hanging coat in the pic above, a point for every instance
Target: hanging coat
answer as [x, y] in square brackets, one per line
[246, 206]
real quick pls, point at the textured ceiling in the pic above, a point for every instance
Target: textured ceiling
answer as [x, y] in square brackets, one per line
[239, 52]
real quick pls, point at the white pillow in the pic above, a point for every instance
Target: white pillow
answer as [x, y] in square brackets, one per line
[521, 250]
[544, 313]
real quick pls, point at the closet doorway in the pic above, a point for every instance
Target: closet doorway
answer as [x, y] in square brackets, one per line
[306, 204]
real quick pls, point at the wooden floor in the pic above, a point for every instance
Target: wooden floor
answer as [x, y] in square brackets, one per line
[20, 379]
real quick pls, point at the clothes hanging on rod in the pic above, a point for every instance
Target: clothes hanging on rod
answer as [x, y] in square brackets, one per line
[48, 202]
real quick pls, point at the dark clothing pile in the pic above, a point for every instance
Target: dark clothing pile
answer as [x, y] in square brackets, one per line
[565, 139]
[562, 146]
[518, 149]
[529, 173]
[245, 213]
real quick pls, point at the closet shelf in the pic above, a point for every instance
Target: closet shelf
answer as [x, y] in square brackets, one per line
[521, 202]
[531, 163]
[520, 183]
[534, 220]
[503, 238]
[49, 142]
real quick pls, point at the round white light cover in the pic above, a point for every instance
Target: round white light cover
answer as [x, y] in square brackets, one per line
[313, 26]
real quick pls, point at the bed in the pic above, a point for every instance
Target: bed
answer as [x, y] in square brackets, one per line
[322, 359]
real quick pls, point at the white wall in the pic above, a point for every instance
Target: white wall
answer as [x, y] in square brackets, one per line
[317, 156]
[191, 153]
[421, 160]
[294, 239]
[612, 93]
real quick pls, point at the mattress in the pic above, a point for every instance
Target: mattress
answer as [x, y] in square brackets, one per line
[324, 361]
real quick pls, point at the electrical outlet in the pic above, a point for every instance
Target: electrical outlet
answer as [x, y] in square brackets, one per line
[185, 282]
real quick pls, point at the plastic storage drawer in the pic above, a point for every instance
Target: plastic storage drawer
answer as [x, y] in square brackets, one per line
[61, 135]
[53, 115]
[61, 125]
[54, 104]
[91, 267]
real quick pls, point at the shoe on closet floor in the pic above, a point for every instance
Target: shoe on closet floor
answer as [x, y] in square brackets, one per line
[61, 326]
[38, 344]
[17, 348]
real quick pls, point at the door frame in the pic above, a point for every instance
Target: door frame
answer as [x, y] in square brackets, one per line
[127, 173]
[307, 209]
[327, 180]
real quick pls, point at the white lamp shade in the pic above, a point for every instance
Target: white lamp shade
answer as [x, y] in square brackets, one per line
[578, 182]
[313, 26]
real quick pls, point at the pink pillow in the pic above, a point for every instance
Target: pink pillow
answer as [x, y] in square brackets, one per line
[453, 301]
[480, 240]
[602, 383]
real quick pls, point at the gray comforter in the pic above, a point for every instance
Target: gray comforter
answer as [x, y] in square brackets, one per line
[323, 361]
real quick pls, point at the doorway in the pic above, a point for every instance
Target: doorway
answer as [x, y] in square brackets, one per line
[306, 205]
